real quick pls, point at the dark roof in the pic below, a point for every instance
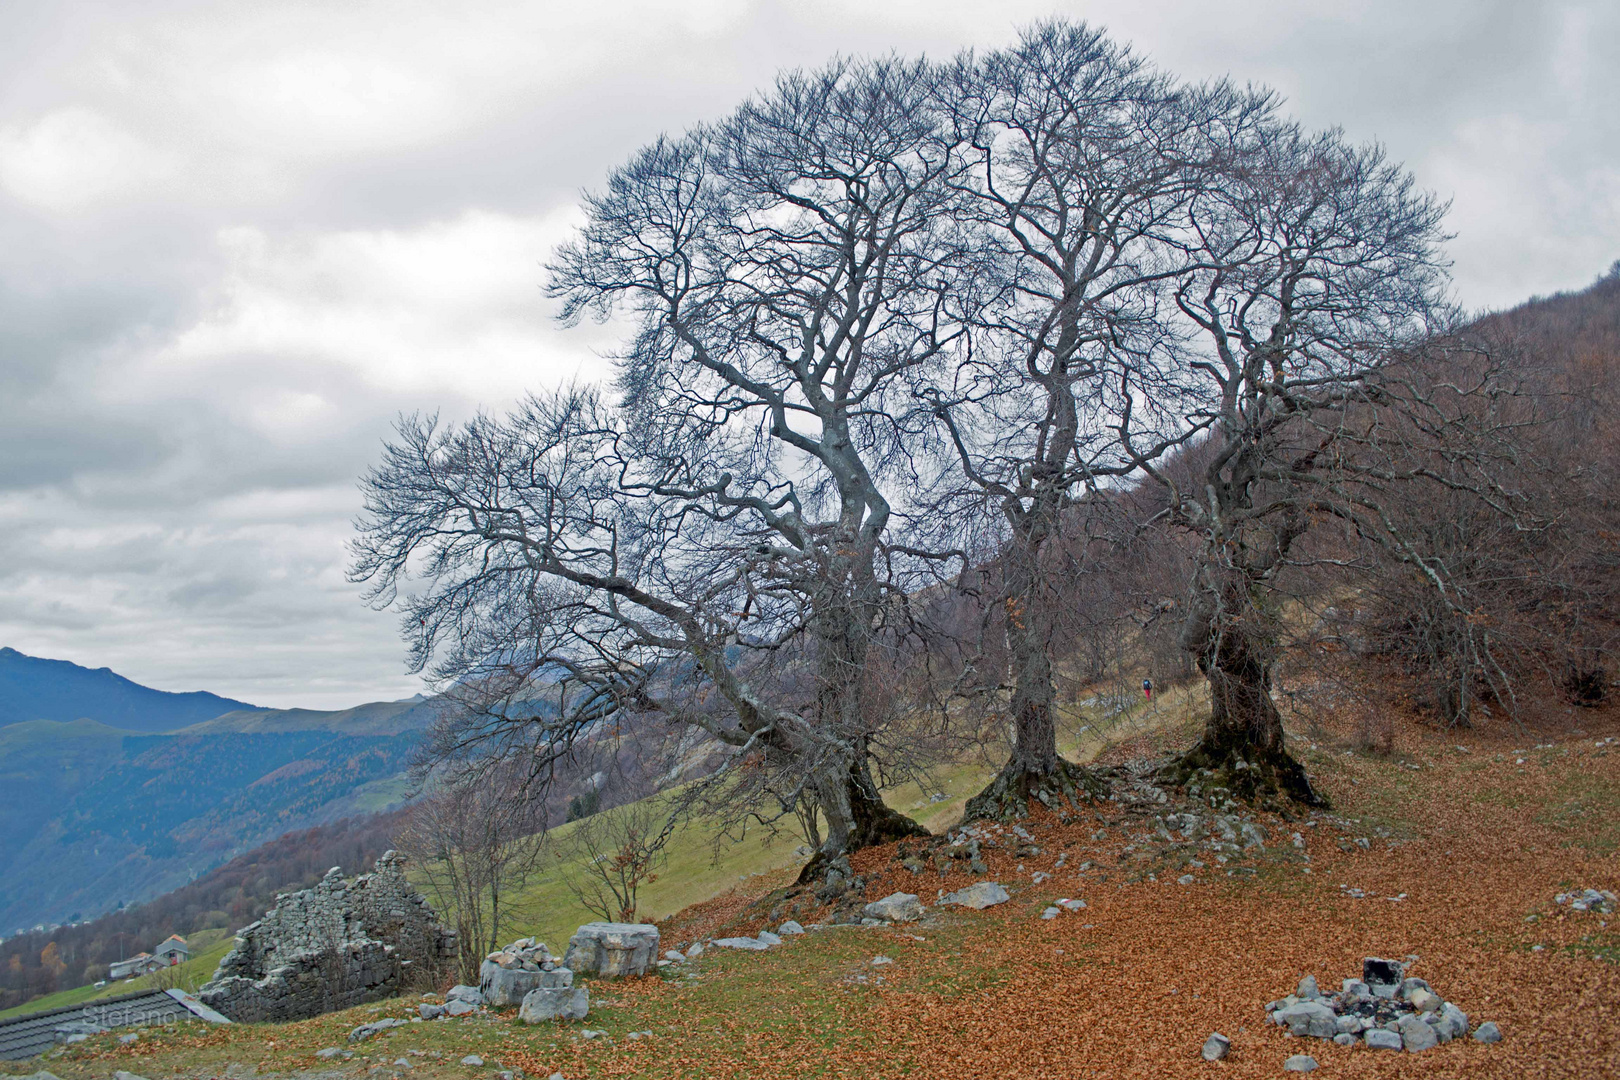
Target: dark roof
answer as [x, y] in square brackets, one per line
[31, 1035]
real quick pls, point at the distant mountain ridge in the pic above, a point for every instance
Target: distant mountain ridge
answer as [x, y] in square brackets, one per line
[34, 688]
[114, 792]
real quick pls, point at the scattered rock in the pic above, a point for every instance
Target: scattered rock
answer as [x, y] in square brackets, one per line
[978, 896]
[1185, 879]
[896, 907]
[1300, 1063]
[132, 1037]
[613, 950]
[328, 1054]
[403, 1063]
[880, 961]
[366, 1031]
[460, 1008]
[1308, 990]
[1344, 1038]
[1599, 900]
[739, 943]
[789, 928]
[1071, 905]
[1308, 1018]
[472, 1059]
[674, 956]
[1416, 1034]
[429, 1011]
[1051, 913]
[470, 994]
[1488, 1032]
[559, 999]
[1379, 1039]
[1216, 1047]
[122, 1075]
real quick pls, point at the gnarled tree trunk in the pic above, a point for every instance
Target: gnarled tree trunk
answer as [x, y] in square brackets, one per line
[1034, 770]
[1243, 741]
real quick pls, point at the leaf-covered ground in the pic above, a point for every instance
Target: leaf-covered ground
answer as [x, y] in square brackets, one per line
[1473, 834]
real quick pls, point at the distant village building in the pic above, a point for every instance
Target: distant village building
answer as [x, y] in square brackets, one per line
[173, 951]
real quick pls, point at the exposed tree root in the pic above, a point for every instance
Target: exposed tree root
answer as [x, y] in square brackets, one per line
[1009, 794]
[1268, 779]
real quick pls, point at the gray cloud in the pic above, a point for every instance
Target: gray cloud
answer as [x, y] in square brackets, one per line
[237, 239]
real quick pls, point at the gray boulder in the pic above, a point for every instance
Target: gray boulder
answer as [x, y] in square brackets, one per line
[1216, 1047]
[790, 928]
[1416, 1035]
[613, 950]
[1379, 1039]
[469, 994]
[1309, 1018]
[1488, 1032]
[459, 1007]
[1344, 1038]
[1300, 1063]
[429, 1011]
[1308, 990]
[769, 938]
[1453, 1023]
[555, 1003]
[503, 986]
[978, 896]
[366, 1031]
[896, 907]
[753, 944]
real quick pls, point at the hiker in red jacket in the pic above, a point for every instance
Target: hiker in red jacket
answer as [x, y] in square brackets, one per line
[1147, 688]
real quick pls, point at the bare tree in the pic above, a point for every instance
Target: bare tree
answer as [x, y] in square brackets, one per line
[1316, 278]
[1074, 162]
[785, 272]
[607, 857]
[475, 841]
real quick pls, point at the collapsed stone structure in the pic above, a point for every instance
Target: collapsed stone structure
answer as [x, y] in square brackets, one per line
[337, 945]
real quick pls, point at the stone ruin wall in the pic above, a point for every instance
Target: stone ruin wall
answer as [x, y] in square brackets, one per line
[337, 945]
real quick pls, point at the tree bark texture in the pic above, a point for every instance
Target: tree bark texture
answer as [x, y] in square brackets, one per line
[1243, 742]
[1034, 770]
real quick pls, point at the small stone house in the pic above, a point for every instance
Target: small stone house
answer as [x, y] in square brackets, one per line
[173, 951]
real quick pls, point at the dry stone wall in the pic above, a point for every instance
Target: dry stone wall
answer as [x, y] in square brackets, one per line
[339, 944]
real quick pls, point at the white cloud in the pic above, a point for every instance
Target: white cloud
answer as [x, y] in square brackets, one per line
[74, 159]
[237, 238]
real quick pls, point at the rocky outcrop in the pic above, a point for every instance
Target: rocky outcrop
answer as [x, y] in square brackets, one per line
[337, 945]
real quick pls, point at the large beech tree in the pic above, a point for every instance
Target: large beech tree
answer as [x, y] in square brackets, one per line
[1075, 163]
[1315, 282]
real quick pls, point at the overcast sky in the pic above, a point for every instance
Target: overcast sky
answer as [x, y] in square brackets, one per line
[236, 240]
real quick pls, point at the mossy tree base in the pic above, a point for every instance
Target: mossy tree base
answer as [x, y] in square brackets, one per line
[1008, 796]
[1262, 777]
